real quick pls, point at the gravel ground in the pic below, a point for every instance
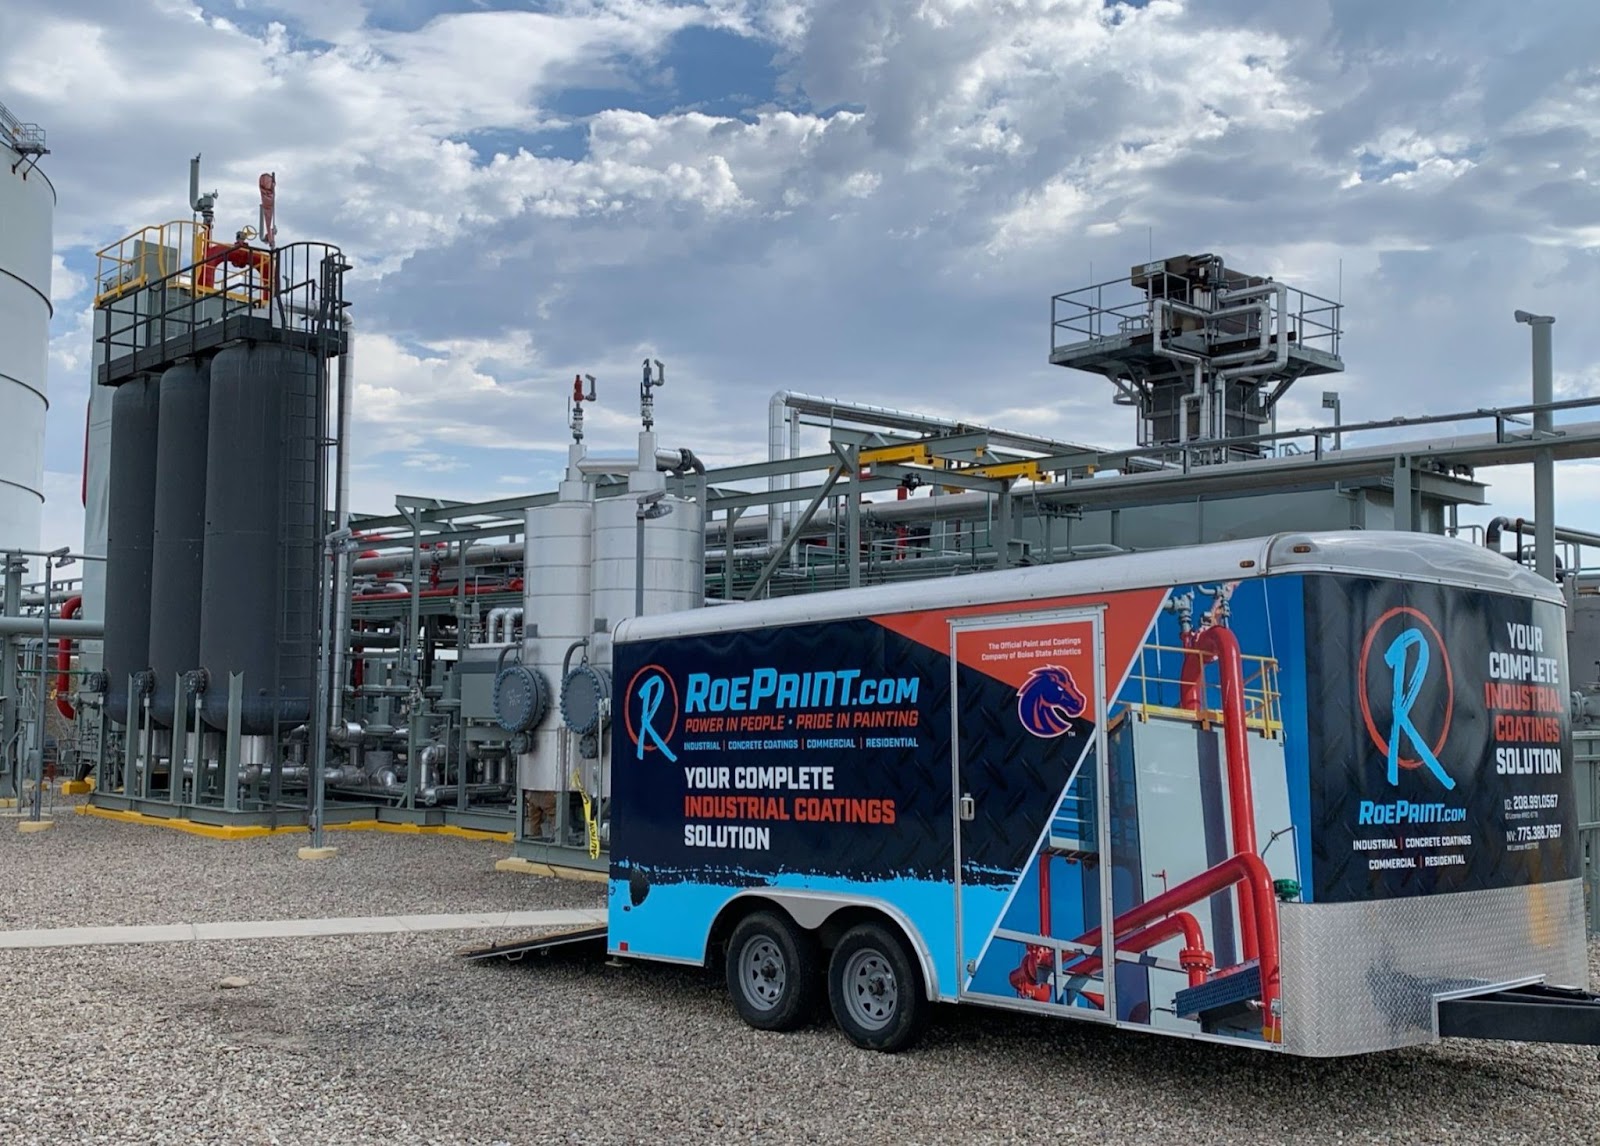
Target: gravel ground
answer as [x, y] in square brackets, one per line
[391, 1039]
[129, 874]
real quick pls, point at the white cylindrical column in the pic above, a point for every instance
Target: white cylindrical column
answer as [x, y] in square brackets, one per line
[27, 213]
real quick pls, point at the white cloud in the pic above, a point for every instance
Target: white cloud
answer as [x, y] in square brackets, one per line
[887, 223]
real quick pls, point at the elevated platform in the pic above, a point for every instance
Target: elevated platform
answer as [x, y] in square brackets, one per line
[1133, 354]
[211, 336]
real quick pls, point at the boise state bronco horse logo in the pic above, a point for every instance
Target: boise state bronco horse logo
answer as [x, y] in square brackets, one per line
[1049, 700]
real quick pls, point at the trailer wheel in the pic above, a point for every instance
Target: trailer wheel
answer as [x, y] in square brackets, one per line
[875, 990]
[774, 972]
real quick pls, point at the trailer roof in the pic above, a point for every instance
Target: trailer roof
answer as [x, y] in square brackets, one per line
[1407, 556]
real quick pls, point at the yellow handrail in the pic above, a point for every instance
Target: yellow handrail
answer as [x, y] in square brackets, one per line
[1263, 702]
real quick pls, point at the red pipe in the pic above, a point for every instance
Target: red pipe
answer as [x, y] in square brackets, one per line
[1222, 644]
[1044, 893]
[1248, 872]
[1219, 642]
[1195, 958]
[69, 609]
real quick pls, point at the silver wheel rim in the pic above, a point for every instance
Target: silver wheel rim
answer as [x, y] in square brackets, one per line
[870, 991]
[762, 972]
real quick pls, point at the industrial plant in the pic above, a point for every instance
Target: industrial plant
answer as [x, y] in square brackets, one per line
[235, 647]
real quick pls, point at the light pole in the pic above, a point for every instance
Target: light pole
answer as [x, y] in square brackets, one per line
[1330, 401]
[650, 508]
[1544, 465]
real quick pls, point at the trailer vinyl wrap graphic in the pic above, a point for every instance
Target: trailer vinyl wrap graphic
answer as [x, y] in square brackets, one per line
[1248, 731]
[1444, 755]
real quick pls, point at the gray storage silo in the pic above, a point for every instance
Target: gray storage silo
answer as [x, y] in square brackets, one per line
[258, 612]
[130, 525]
[180, 527]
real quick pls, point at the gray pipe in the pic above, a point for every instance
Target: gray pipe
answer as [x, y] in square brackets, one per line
[1544, 472]
[341, 520]
[508, 554]
[1521, 525]
[668, 461]
[59, 629]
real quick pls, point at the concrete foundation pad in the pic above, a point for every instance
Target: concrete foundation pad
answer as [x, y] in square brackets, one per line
[530, 867]
[28, 827]
[317, 853]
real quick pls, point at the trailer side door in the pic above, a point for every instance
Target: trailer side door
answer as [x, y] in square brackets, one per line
[1029, 769]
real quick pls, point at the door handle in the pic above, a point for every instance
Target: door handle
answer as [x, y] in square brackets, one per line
[969, 807]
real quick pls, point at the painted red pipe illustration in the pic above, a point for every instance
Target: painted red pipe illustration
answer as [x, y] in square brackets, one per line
[69, 609]
[1195, 959]
[1219, 642]
[1244, 870]
[1258, 907]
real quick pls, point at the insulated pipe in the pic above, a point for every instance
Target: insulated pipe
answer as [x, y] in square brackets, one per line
[391, 594]
[667, 461]
[69, 609]
[1522, 525]
[1247, 871]
[1281, 359]
[779, 447]
[1544, 477]
[509, 554]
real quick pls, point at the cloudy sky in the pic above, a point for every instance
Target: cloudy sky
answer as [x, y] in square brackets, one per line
[873, 199]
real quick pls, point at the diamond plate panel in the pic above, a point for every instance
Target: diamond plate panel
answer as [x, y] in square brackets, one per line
[1361, 977]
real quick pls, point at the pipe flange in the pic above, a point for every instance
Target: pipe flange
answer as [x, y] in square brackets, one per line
[95, 683]
[584, 695]
[196, 681]
[521, 698]
[144, 682]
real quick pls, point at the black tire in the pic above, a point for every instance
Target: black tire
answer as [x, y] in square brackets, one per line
[774, 971]
[875, 990]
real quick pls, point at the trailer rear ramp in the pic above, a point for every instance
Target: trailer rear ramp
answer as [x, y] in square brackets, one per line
[584, 941]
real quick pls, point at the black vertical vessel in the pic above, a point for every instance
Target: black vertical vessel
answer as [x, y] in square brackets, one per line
[177, 556]
[258, 595]
[130, 526]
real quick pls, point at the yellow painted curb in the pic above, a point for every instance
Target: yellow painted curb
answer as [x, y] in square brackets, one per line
[8, 802]
[520, 866]
[28, 827]
[255, 831]
[403, 829]
[209, 831]
[77, 787]
[317, 853]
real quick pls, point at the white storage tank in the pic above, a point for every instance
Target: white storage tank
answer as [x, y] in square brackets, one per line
[27, 212]
[556, 611]
[674, 561]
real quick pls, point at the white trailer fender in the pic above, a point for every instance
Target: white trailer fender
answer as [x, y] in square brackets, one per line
[811, 909]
